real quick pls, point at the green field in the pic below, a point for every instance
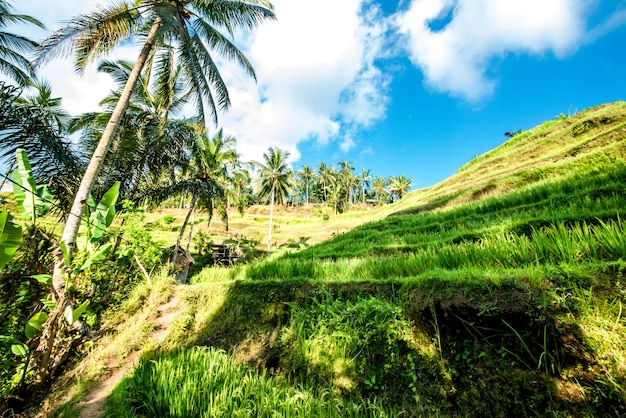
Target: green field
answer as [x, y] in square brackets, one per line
[497, 292]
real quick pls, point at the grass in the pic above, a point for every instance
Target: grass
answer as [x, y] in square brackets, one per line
[167, 385]
[497, 292]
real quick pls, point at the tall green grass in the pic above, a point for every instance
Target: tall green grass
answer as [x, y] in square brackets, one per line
[203, 382]
[570, 221]
[550, 245]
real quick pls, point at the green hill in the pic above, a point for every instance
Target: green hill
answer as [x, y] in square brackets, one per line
[497, 292]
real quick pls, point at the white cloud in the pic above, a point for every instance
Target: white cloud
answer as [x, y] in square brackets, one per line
[314, 64]
[317, 78]
[456, 59]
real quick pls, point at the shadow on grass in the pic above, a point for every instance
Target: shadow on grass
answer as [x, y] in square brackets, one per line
[418, 347]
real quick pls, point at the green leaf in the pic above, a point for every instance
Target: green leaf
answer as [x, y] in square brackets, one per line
[10, 237]
[43, 200]
[48, 304]
[72, 315]
[97, 226]
[32, 200]
[19, 349]
[7, 339]
[43, 278]
[91, 204]
[65, 252]
[97, 256]
[24, 187]
[107, 204]
[79, 311]
[126, 253]
[103, 214]
[35, 324]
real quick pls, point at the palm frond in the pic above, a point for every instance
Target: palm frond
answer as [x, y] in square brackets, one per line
[222, 45]
[234, 14]
[90, 35]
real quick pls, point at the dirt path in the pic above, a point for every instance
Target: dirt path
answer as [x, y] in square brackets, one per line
[96, 397]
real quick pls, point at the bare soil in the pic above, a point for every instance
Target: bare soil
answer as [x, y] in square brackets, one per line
[94, 400]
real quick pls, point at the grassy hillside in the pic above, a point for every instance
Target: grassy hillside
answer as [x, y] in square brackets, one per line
[497, 292]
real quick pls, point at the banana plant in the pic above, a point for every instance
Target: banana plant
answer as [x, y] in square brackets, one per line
[101, 214]
[10, 240]
[32, 200]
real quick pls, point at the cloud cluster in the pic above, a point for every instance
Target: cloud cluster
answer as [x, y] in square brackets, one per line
[319, 68]
[317, 78]
[455, 58]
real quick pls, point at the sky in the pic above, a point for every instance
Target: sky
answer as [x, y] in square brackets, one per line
[413, 87]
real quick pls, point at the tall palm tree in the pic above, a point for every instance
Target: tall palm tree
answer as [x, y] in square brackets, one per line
[306, 174]
[239, 192]
[13, 63]
[184, 30]
[169, 29]
[365, 178]
[274, 182]
[326, 176]
[149, 142]
[345, 177]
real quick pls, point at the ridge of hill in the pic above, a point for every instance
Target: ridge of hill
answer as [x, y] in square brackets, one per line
[497, 292]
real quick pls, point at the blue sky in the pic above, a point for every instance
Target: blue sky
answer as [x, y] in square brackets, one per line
[414, 87]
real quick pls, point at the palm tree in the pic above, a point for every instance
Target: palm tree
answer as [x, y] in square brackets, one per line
[400, 185]
[274, 182]
[379, 188]
[325, 175]
[365, 178]
[335, 196]
[169, 29]
[239, 192]
[345, 177]
[306, 174]
[13, 47]
[32, 119]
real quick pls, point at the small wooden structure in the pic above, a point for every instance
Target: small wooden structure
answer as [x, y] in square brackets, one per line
[223, 255]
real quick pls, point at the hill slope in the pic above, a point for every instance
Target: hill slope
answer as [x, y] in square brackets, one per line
[496, 292]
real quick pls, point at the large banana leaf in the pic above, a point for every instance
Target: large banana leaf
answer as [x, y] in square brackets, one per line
[32, 200]
[10, 237]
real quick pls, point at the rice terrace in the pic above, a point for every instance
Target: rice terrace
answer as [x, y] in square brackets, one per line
[146, 270]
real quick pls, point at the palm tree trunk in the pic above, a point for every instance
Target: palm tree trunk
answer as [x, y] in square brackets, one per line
[97, 159]
[269, 232]
[193, 222]
[307, 192]
[46, 347]
[180, 206]
[192, 208]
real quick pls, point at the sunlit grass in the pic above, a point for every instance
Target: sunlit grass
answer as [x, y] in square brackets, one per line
[202, 382]
[497, 292]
